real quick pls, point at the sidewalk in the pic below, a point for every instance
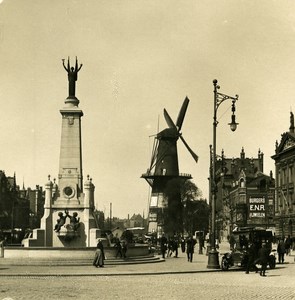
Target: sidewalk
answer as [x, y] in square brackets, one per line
[171, 265]
[168, 266]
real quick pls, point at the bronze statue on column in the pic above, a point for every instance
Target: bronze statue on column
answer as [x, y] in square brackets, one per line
[72, 76]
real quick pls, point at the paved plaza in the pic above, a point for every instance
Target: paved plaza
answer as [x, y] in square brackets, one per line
[176, 278]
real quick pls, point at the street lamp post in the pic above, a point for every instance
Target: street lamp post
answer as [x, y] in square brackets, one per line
[213, 261]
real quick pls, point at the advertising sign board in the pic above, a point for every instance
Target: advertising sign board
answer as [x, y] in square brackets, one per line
[257, 206]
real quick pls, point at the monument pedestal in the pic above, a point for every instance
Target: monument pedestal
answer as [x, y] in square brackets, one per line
[64, 233]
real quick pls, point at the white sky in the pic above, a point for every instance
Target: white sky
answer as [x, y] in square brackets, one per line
[140, 57]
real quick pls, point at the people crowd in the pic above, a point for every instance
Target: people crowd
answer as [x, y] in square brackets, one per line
[257, 251]
[169, 246]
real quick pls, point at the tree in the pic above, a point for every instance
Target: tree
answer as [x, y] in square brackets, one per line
[196, 210]
[184, 211]
[189, 191]
[196, 216]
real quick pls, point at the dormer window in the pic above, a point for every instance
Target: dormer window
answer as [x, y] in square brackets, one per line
[242, 183]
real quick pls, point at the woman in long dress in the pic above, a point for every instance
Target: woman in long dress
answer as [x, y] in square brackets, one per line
[99, 255]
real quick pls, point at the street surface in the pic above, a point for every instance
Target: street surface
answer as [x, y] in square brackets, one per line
[175, 278]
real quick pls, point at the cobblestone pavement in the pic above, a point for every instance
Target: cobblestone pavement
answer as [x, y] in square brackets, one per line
[173, 279]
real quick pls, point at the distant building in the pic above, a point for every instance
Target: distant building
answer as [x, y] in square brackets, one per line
[136, 221]
[19, 204]
[14, 216]
[245, 195]
[36, 200]
[284, 158]
[20, 209]
[5, 202]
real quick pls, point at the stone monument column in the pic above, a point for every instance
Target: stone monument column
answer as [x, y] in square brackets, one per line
[68, 219]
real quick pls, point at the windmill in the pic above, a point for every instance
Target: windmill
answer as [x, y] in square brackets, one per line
[164, 166]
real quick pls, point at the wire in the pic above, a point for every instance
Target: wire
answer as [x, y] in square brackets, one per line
[224, 113]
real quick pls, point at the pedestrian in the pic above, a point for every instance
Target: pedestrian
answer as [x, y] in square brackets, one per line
[243, 241]
[99, 255]
[281, 249]
[124, 248]
[118, 246]
[163, 245]
[3, 244]
[150, 245]
[232, 242]
[288, 244]
[251, 257]
[182, 244]
[201, 244]
[190, 245]
[263, 256]
[170, 247]
[175, 246]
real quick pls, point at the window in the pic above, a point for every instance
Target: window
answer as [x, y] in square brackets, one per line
[242, 183]
[290, 173]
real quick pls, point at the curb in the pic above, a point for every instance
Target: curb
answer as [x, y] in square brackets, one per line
[32, 275]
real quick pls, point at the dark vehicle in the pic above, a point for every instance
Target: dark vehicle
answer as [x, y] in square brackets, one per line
[13, 237]
[242, 237]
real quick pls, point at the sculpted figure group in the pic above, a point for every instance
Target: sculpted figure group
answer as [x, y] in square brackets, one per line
[74, 221]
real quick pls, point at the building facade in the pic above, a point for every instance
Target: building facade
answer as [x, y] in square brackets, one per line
[284, 158]
[14, 209]
[245, 195]
[36, 198]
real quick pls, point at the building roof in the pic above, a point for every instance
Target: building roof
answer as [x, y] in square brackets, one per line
[232, 167]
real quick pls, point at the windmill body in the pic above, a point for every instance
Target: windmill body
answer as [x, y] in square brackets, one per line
[164, 168]
[167, 158]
